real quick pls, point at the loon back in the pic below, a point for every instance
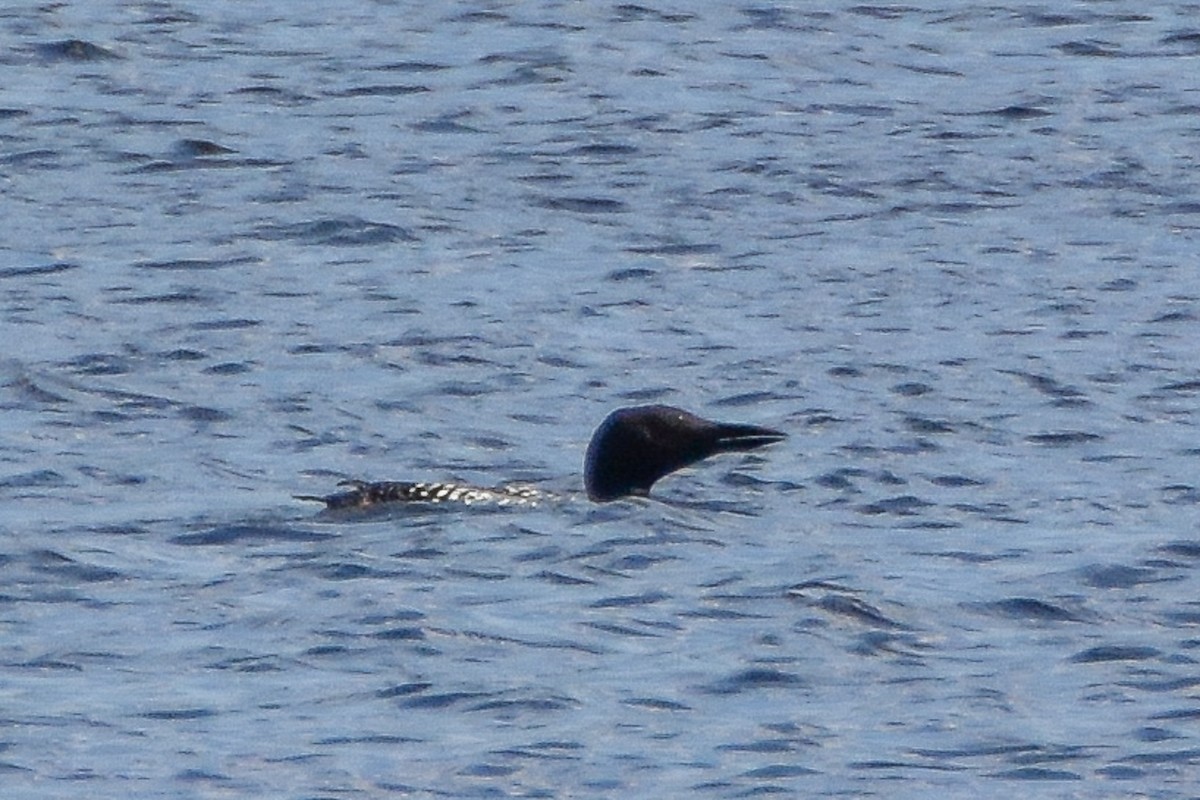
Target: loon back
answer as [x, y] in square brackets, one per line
[629, 452]
[634, 447]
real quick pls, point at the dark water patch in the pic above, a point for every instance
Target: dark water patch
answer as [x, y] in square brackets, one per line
[1047, 19]
[853, 608]
[381, 90]
[632, 12]
[903, 505]
[369, 738]
[656, 704]
[602, 149]
[537, 704]
[227, 324]
[924, 425]
[877, 765]
[229, 369]
[71, 570]
[411, 66]
[840, 478]
[179, 714]
[251, 664]
[721, 613]
[1188, 756]
[75, 50]
[552, 750]
[628, 601]
[1027, 609]
[1119, 285]
[839, 601]
[179, 297]
[180, 163]
[41, 478]
[392, 616]
[1174, 316]
[204, 414]
[974, 558]
[675, 249]
[1187, 40]
[47, 663]
[1017, 113]
[925, 69]
[203, 776]
[982, 750]
[616, 629]
[1037, 774]
[1183, 549]
[1105, 653]
[201, 148]
[425, 340]
[765, 746]
[47, 159]
[1168, 685]
[745, 399]
[1120, 772]
[338, 232]
[100, 364]
[402, 633]
[1046, 385]
[196, 264]
[478, 574]
[1180, 494]
[486, 770]
[36, 270]
[930, 525]
[755, 679]
[637, 561]
[344, 571]
[1117, 576]
[741, 481]
[1092, 49]
[1185, 618]
[905, 648]
[442, 125]
[630, 274]
[1155, 734]
[1178, 714]
[443, 700]
[1183, 387]
[582, 205]
[252, 534]
[274, 95]
[562, 579]
[777, 771]
[912, 389]
[404, 690]
[1063, 438]
[956, 481]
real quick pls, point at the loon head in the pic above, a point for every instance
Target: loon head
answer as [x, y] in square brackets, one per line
[634, 447]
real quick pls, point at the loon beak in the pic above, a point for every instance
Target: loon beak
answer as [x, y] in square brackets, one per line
[745, 437]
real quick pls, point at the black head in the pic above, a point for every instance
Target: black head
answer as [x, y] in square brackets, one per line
[634, 447]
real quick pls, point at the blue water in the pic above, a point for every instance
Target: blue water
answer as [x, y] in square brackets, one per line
[255, 248]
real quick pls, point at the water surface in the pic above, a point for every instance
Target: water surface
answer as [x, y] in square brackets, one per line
[255, 249]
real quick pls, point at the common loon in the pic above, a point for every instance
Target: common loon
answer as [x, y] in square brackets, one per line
[629, 452]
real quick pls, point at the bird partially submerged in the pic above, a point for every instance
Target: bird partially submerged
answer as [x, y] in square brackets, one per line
[630, 451]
